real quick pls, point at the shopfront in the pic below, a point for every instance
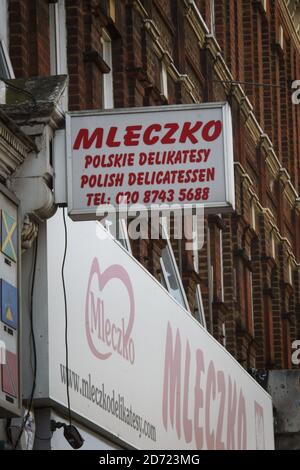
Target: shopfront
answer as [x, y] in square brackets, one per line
[143, 373]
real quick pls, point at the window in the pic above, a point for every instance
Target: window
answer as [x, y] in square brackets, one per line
[4, 21]
[251, 302]
[224, 334]
[107, 84]
[199, 310]
[58, 43]
[215, 260]
[120, 234]
[221, 266]
[210, 271]
[123, 237]
[196, 258]
[247, 300]
[6, 70]
[290, 273]
[265, 4]
[112, 10]
[197, 244]
[253, 215]
[281, 37]
[170, 273]
[212, 17]
[234, 285]
[273, 245]
[164, 79]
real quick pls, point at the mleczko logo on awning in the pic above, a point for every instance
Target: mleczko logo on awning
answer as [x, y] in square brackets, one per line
[203, 403]
[109, 312]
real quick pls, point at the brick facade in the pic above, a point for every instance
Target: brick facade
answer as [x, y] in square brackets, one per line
[260, 305]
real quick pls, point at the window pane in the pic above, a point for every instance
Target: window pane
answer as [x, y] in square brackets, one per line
[199, 310]
[54, 39]
[3, 68]
[6, 70]
[171, 277]
[164, 80]
[122, 235]
[58, 43]
[118, 232]
[108, 95]
[4, 21]
[212, 16]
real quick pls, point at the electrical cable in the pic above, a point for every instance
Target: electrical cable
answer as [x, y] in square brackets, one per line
[33, 345]
[237, 82]
[8, 430]
[66, 315]
[43, 438]
[21, 90]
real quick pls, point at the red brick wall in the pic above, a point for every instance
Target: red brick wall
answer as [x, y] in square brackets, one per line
[248, 38]
[29, 37]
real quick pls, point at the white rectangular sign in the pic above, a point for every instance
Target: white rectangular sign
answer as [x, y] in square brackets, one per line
[150, 156]
[141, 368]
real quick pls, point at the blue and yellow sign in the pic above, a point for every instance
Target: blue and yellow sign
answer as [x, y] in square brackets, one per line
[9, 238]
[9, 304]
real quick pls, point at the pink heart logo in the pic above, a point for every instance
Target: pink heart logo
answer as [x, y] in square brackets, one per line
[121, 341]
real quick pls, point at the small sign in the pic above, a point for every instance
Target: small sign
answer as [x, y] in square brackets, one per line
[9, 304]
[9, 239]
[10, 385]
[10, 381]
[147, 157]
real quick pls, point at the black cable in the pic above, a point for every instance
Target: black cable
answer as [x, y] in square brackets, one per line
[21, 90]
[43, 438]
[66, 314]
[33, 345]
[236, 82]
[8, 431]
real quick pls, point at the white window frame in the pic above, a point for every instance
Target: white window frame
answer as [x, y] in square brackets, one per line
[224, 334]
[9, 73]
[281, 37]
[212, 273]
[222, 266]
[210, 269]
[265, 5]
[290, 273]
[234, 284]
[6, 58]
[58, 43]
[273, 246]
[4, 43]
[164, 79]
[54, 39]
[112, 10]
[4, 21]
[107, 78]
[58, 39]
[252, 298]
[123, 233]
[253, 215]
[200, 307]
[196, 259]
[185, 303]
[212, 17]
[195, 246]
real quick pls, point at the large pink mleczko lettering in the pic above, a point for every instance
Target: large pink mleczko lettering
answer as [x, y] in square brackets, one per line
[200, 403]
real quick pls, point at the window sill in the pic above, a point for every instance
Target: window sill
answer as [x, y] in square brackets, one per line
[95, 57]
